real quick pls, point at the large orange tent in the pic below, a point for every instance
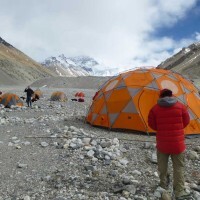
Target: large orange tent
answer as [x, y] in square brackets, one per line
[9, 99]
[124, 101]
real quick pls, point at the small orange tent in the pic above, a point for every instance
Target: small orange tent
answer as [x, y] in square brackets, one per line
[36, 95]
[9, 99]
[124, 101]
[80, 94]
[58, 96]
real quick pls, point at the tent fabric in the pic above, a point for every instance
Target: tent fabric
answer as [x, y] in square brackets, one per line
[124, 101]
[36, 95]
[58, 96]
[9, 99]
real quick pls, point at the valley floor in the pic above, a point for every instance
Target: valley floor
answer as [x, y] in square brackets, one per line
[50, 152]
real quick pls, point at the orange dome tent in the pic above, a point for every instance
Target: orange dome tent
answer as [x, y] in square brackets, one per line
[124, 101]
[9, 99]
[58, 96]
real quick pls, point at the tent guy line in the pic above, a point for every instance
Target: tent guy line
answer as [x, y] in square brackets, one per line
[65, 137]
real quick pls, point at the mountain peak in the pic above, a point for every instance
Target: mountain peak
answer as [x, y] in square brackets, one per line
[77, 66]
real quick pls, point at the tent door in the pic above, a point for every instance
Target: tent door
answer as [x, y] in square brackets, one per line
[147, 100]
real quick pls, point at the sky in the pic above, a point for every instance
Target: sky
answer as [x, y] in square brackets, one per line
[117, 33]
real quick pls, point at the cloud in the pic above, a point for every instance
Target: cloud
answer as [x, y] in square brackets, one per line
[197, 36]
[114, 32]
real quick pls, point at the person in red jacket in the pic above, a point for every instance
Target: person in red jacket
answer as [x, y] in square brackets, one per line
[169, 118]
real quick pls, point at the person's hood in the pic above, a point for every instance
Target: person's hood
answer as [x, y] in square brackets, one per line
[167, 101]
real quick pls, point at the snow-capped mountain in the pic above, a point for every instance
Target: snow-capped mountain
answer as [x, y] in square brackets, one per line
[77, 66]
[62, 66]
[93, 67]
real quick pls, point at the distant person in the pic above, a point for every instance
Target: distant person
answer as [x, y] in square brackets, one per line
[29, 93]
[169, 118]
[0, 93]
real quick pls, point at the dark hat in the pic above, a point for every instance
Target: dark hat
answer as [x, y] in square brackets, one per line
[165, 93]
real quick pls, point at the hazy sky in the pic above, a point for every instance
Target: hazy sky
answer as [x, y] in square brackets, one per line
[127, 33]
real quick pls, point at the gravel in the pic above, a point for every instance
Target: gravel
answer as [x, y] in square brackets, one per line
[50, 152]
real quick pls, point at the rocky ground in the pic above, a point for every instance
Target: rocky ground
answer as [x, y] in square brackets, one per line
[49, 152]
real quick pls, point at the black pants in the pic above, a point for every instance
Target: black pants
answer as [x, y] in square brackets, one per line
[28, 101]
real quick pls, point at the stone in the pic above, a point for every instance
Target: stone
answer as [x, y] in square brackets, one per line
[165, 196]
[86, 141]
[130, 188]
[136, 172]
[90, 153]
[21, 165]
[27, 197]
[44, 144]
[105, 144]
[107, 162]
[90, 168]
[197, 148]
[193, 155]
[123, 161]
[154, 157]
[26, 143]
[113, 173]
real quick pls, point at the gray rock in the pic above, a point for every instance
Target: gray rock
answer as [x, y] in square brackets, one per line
[193, 155]
[44, 144]
[197, 148]
[130, 188]
[90, 168]
[26, 143]
[21, 165]
[123, 161]
[27, 197]
[154, 157]
[165, 196]
[114, 173]
[105, 144]
[90, 153]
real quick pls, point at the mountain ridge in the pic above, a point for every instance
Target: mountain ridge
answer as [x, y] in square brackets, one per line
[185, 62]
[18, 68]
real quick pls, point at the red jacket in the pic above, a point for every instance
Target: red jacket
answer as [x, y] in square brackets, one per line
[169, 118]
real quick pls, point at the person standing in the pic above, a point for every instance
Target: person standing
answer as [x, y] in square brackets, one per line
[29, 93]
[169, 118]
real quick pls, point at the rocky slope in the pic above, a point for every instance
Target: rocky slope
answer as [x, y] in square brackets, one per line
[17, 68]
[85, 82]
[186, 62]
